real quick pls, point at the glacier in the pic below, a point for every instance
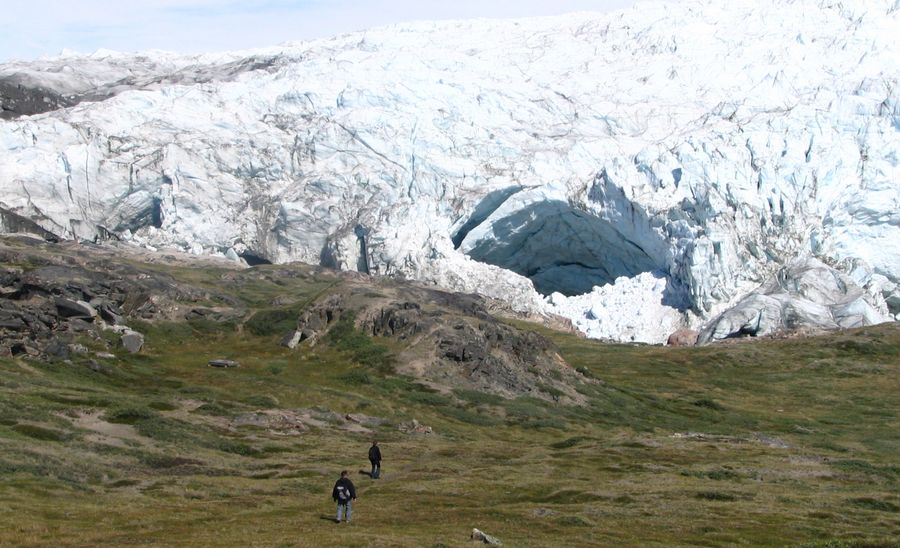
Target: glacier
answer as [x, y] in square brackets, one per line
[636, 172]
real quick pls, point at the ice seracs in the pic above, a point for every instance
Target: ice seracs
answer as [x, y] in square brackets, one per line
[653, 167]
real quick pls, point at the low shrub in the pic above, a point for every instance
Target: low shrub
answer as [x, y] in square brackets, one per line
[237, 448]
[262, 400]
[708, 404]
[273, 321]
[357, 377]
[717, 496]
[427, 398]
[214, 408]
[41, 433]
[477, 397]
[570, 442]
[525, 408]
[865, 467]
[363, 350]
[129, 415]
[165, 429]
[469, 417]
[548, 422]
[874, 504]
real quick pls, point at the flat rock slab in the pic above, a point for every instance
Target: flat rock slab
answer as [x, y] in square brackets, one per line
[68, 308]
[223, 363]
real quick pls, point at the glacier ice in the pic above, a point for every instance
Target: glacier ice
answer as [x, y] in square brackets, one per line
[636, 172]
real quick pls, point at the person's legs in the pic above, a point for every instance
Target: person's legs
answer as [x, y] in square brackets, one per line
[376, 470]
[340, 512]
[349, 510]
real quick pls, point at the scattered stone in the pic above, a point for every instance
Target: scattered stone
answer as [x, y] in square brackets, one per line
[105, 355]
[415, 427]
[774, 443]
[111, 314]
[80, 325]
[132, 341]
[77, 348]
[223, 363]
[284, 422]
[683, 337]
[485, 538]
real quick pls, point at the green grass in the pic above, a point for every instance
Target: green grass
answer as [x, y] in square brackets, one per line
[788, 442]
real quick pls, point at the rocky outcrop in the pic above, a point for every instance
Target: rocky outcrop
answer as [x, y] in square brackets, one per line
[448, 339]
[18, 98]
[67, 290]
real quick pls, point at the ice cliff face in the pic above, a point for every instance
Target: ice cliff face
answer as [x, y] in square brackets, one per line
[636, 172]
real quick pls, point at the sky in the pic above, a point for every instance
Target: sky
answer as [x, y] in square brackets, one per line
[35, 28]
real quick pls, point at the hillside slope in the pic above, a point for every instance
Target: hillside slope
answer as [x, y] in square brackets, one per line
[771, 442]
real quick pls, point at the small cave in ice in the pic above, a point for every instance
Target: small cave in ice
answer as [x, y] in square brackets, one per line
[253, 259]
[561, 248]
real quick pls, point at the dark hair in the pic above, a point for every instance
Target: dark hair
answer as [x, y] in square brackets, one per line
[344, 473]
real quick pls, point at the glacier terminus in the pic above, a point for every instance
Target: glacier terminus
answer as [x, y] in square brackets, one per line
[727, 167]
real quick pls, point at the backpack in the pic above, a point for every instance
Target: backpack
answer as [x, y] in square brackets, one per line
[343, 493]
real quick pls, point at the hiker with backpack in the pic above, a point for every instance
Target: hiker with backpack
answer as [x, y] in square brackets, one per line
[344, 493]
[375, 459]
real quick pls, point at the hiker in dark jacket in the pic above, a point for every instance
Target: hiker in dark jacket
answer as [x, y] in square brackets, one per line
[375, 459]
[344, 493]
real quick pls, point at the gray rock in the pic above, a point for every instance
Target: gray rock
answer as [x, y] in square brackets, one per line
[292, 339]
[68, 308]
[111, 313]
[79, 325]
[132, 341]
[223, 363]
[12, 323]
[480, 536]
[58, 349]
